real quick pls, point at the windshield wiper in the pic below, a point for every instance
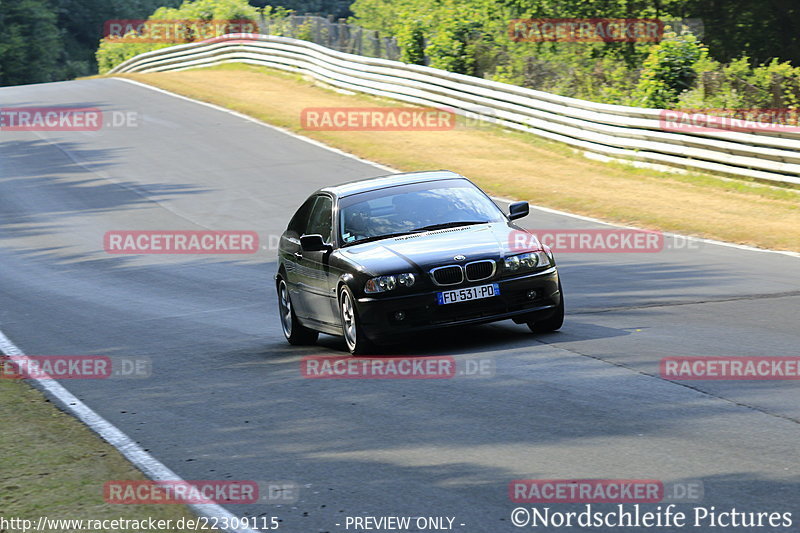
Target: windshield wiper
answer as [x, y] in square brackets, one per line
[451, 225]
[418, 230]
[379, 237]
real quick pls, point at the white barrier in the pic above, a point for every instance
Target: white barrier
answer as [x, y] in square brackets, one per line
[611, 130]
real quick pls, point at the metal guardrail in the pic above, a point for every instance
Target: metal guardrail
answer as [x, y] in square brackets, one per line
[615, 131]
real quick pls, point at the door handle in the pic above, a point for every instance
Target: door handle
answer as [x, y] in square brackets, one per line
[298, 255]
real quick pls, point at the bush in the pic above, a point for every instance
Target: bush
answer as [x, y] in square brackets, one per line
[472, 37]
[305, 31]
[411, 40]
[208, 10]
[453, 47]
[741, 85]
[669, 70]
[111, 52]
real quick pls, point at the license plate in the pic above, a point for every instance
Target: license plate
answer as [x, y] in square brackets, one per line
[465, 295]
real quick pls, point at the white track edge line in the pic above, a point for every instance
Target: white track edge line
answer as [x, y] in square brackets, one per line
[146, 463]
[390, 169]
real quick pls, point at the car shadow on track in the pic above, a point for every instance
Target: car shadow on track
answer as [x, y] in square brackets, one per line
[478, 339]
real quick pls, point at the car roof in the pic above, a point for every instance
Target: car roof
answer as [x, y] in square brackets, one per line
[390, 180]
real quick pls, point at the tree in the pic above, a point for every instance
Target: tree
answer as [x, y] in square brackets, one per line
[669, 70]
[337, 8]
[30, 43]
[759, 29]
[81, 24]
[411, 40]
[453, 47]
[111, 52]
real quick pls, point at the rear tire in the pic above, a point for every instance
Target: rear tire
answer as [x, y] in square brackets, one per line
[357, 343]
[293, 330]
[553, 323]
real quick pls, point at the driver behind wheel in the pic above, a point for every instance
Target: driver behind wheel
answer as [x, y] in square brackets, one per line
[357, 222]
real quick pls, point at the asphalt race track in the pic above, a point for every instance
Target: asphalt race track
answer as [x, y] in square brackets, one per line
[226, 399]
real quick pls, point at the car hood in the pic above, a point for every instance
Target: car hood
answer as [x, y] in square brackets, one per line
[421, 251]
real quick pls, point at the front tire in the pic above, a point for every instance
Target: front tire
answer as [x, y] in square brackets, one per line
[553, 323]
[357, 343]
[293, 330]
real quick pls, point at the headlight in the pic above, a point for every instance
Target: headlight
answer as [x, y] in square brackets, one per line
[528, 261]
[389, 283]
[549, 253]
[407, 280]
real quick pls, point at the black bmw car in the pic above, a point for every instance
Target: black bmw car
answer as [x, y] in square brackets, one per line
[379, 259]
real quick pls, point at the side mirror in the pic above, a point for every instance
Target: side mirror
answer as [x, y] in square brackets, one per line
[518, 210]
[314, 243]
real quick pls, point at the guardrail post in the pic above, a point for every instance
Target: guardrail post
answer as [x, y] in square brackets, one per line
[377, 39]
[342, 35]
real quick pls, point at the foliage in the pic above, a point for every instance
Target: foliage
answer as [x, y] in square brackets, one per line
[207, 10]
[472, 36]
[305, 31]
[738, 85]
[336, 8]
[745, 59]
[453, 47]
[411, 40]
[112, 52]
[48, 40]
[756, 29]
[386, 16]
[30, 48]
[81, 26]
[669, 70]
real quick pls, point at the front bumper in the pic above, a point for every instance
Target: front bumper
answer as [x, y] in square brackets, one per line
[422, 312]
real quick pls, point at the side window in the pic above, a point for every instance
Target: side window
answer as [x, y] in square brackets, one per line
[321, 220]
[300, 219]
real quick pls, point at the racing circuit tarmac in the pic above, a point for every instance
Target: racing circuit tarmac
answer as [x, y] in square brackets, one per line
[226, 399]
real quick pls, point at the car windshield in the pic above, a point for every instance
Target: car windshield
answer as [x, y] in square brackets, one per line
[412, 208]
